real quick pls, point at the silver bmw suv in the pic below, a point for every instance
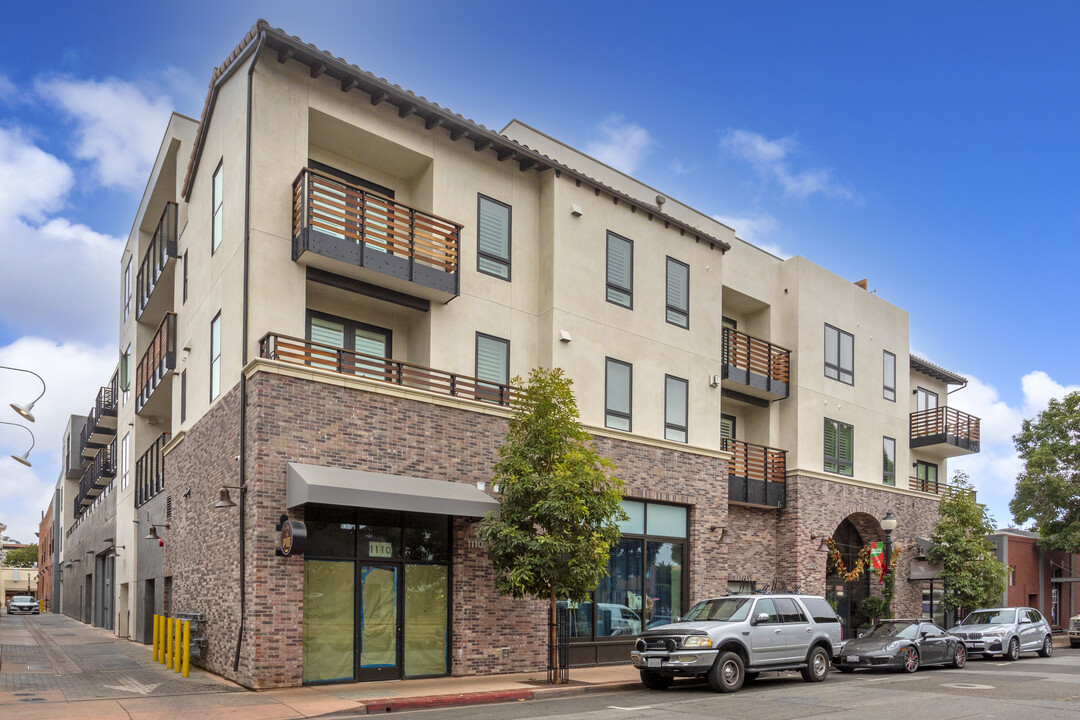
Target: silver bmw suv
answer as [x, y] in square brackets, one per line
[1009, 631]
[730, 640]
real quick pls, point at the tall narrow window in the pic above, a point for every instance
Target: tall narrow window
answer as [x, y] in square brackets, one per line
[675, 410]
[888, 461]
[183, 396]
[888, 373]
[620, 271]
[839, 448]
[678, 293]
[127, 291]
[727, 427]
[618, 394]
[492, 367]
[185, 276]
[124, 463]
[218, 197]
[215, 356]
[839, 355]
[126, 366]
[493, 237]
[926, 476]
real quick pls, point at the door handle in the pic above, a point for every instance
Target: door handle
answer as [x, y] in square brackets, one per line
[778, 632]
[809, 630]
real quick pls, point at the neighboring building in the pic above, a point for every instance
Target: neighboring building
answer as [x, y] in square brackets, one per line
[46, 549]
[327, 289]
[1042, 579]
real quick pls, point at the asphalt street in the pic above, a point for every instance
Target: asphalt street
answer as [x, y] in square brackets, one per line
[1028, 689]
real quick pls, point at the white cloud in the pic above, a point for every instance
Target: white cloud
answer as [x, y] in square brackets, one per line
[32, 182]
[7, 88]
[623, 146]
[994, 468]
[755, 229]
[118, 126]
[771, 160]
[73, 372]
[678, 168]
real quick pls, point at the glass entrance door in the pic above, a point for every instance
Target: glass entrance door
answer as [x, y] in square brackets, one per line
[378, 656]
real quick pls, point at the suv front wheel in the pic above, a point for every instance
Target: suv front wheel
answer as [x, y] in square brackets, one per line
[727, 673]
[817, 666]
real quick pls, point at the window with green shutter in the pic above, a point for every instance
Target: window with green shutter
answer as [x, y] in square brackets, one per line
[727, 426]
[620, 270]
[493, 238]
[839, 448]
[492, 368]
[678, 293]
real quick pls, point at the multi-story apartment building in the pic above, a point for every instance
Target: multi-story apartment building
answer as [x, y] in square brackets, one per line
[328, 288]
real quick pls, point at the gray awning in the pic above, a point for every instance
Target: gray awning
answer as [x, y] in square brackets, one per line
[357, 488]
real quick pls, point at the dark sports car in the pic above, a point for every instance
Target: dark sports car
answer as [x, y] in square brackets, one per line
[903, 645]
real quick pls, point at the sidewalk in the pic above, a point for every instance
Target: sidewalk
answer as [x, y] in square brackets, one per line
[54, 667]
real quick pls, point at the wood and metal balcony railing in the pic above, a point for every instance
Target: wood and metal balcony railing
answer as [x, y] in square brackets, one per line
[157, 362]
[373, 238]
[100, 425]
[395, 372]
[162, 248]
[954, 431]
[937, 487]
[97, 477]
[756, 473]
[150, 471]
[754, 366]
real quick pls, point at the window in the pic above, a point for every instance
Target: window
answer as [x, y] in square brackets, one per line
[218, 195]
[727, 426]
[766, 606]
[124, 448]
[215, 356]
[839, 355]
[185, 276]
[888, 375]
[888, 461]
[925, 399]
[620, 271]
[618, 396]
[678, 293]
[839, 439]
[371, 343]
[183, 396]
[676, 391]
[789, 610]
[125, 373]
[492, 366]
[493, 237]
[926, 474]
[127, 290]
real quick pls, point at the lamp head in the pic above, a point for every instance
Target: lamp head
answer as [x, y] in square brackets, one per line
[24, 410]
[23, 459]
[888, 523]
[224, 501]
[824, 546]
[152, 535]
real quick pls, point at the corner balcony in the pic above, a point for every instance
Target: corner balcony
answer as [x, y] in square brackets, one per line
[945, 432]
[350, 231]
[393, 372]
[100, 427]
[150, 471]
[154, 286]
[755, 367]
[756, 474]
[155, 369]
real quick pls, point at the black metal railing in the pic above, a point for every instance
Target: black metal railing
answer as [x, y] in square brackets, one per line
[162, 248]
[104, 406]
[150, 471]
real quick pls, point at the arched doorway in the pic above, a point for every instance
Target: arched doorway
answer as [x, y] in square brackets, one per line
[851, 536]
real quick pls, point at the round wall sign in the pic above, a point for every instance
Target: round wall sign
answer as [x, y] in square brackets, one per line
[293, 537]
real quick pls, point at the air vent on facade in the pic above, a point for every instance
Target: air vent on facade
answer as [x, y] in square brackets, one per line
[168, 507]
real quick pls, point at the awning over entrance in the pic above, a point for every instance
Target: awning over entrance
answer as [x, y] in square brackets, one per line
[356, 488]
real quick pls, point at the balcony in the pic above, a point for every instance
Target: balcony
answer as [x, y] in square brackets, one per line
[150, 471]
[156, 368]
[155, 270]
[99, 473]
[937, 487]
[945, 432]
[350, 231]
[100, 427]
[754, 367]
[756, 473]
[394, 372]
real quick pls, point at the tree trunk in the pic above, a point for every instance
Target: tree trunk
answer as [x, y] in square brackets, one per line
[553, 638]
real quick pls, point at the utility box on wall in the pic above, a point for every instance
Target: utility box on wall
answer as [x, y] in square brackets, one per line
[198, 633]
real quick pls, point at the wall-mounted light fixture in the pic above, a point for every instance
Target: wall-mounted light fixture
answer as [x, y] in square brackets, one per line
[824, 542]
[153, 534]
[111, 552]
[725, 536]
[224, 500]
[23, 459]
[25, 410]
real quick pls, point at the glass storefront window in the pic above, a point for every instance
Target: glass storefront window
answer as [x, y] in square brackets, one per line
[427, 539]
[426, 588]
[618, 596]
[379, 535]
[666, 521]
[635, 525]
[331, 532]
[664, 583]
[328, 620]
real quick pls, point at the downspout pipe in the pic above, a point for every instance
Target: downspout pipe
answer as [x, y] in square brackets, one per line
[244, 352]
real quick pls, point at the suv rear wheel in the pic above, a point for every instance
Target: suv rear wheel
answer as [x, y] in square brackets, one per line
[727, 673]
[817, 666]
[654, 681]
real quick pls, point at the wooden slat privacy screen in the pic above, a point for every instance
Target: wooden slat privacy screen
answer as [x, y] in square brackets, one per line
[756, 462]
[758, 356]
[944, 420]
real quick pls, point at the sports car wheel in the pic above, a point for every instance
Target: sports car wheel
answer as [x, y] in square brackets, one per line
[727, 673]
[1047, 648]
[1013, 653]
[959, 656]
[911, 660]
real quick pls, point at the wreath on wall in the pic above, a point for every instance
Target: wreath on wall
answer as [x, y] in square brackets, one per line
[862, 562]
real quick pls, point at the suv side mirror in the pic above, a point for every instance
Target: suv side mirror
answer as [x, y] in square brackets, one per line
[760, 618]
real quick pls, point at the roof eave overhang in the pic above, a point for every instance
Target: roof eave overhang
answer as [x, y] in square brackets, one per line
[938, 373]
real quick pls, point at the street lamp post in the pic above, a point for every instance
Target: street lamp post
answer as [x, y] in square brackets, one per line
[888, 524]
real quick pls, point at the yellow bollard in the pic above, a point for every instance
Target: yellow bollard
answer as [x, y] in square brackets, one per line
[177, 625]
[168, 642]
[187, 647]
[156, 637]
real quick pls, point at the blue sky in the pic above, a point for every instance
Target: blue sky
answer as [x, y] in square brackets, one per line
[930, 147]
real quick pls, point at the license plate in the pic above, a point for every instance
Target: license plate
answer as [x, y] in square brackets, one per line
[653, 662]
[853, 658]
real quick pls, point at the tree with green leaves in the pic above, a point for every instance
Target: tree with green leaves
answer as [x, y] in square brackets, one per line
[559, 500]
[23, 557]
[971, 573]
[1048, 489]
